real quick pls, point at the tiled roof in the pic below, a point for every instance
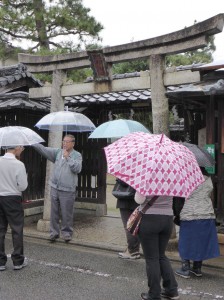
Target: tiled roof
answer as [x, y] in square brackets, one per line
[14, 73]
[200, 89]
[21, 100]
[113, 97]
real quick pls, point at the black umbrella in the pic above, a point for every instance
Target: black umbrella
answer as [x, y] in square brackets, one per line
[203, 158]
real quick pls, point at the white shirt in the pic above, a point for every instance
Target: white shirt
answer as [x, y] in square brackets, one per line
[13, 178]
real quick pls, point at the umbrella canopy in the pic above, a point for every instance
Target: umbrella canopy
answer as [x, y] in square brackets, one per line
[154, 165]
[18, 136]
[66, 121]
[117, 129]
[203, 158]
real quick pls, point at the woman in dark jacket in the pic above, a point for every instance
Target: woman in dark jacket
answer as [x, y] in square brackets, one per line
[127, 206]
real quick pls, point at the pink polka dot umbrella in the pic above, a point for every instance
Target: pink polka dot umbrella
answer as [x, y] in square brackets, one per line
[154, 165]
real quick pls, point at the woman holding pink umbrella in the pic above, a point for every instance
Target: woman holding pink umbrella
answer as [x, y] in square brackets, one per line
[154, 233]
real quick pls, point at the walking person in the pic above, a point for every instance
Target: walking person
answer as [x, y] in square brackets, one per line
[154, 233]
[198, 239]
[13, 181]
[64, 180]
[126, 207]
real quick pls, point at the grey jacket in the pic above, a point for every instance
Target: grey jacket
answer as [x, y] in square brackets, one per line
[199, 204]
[64, 176]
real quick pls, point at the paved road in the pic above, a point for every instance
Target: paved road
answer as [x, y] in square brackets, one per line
[60, 271]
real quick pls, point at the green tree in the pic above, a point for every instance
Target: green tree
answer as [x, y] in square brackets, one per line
[190, 57]
[48, 24]
[131, 66]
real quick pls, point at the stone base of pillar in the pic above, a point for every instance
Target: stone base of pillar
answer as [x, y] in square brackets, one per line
[43, 225]
[91, 208]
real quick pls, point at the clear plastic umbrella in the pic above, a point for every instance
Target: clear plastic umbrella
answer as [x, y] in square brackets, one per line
[66, 121]
[18, 136]
[117, 129]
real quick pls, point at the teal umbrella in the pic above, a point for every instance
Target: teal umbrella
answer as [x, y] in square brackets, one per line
[117, 129]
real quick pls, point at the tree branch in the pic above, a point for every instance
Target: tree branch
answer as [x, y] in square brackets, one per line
[15, 5]
[27, 36]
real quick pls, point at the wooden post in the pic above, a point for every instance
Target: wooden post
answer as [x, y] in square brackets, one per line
[210, 120]
[220, 163]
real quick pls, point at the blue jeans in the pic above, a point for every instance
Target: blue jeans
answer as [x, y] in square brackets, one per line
[154, 234]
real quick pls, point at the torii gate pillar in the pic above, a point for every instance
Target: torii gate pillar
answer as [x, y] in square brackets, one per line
[159, 102]
[54, 141]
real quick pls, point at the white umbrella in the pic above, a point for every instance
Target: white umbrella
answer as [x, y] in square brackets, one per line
[18, 136]
[66, 121]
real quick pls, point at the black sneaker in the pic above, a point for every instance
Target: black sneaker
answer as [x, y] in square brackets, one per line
[196, 272]
[167, 295]
[145, 296]
[183, 273]
[2, 268]
[127, 255]
[19, 267]
[67, 239]
[53, 238]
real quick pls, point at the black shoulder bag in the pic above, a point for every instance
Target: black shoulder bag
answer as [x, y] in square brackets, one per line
[122, 190]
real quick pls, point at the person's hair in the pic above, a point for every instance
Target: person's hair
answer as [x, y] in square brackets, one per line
[71, 137]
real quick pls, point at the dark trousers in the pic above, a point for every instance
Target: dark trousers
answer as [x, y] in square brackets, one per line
[154, 234]
[132, 241]
[12, 214]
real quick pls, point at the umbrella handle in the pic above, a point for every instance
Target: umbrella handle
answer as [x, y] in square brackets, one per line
[161, 138]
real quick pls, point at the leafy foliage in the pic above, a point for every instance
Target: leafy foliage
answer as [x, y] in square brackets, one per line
[132, 66]
[47, 24]
[191, 57]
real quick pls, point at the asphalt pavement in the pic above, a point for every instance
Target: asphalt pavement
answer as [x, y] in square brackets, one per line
[60, 271]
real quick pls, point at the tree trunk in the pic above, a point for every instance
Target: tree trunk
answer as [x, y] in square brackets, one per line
[39, 9]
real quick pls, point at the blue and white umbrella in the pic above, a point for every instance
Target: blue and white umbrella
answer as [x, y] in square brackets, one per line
[117, 129]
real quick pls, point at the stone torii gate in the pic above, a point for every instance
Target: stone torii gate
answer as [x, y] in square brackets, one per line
[101, 61]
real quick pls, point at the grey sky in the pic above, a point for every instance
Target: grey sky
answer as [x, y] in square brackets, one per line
[128, 20]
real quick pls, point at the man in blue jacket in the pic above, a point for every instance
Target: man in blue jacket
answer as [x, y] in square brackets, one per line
[64, 180]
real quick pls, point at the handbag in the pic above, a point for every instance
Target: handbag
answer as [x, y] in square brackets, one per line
[122, 190]
[135, 218]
